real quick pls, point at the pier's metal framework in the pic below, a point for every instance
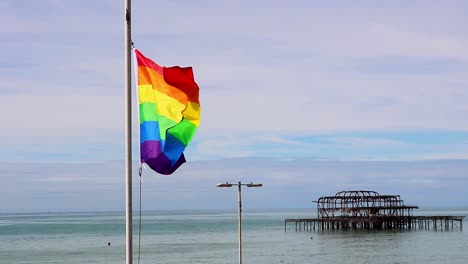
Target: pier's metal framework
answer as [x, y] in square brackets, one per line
[358, 204]
[371, 210]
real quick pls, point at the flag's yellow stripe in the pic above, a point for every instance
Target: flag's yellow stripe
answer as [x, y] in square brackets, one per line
[192, 113]
[166, 105]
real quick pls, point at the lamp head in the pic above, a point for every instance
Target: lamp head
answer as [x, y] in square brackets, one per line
[224, 185]
[254, 185]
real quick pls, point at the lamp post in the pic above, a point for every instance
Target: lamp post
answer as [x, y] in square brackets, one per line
[239, 212]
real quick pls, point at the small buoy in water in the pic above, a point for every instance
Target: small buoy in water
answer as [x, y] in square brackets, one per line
[108, 243]
[311, 238]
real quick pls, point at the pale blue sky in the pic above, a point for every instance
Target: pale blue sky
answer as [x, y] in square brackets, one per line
[379, 82]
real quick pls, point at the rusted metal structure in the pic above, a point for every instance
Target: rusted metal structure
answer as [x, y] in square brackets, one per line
[370, 210]
[358, 204]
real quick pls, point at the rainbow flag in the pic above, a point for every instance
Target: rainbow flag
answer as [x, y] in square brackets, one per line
[169, 113]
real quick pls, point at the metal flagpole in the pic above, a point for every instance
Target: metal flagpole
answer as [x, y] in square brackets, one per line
[239, 221]
[128, 133]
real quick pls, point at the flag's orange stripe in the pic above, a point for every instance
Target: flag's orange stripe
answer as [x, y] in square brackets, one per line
[148, 76]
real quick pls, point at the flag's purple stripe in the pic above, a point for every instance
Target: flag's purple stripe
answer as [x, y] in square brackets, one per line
[150, 149]
[162, 164]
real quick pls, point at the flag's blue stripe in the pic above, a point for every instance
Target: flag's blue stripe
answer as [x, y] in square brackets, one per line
[149, 130]
[173, 148]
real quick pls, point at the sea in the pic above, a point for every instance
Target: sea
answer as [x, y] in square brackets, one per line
[209, 237]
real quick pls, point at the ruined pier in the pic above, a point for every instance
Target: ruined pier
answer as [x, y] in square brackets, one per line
[369, 210]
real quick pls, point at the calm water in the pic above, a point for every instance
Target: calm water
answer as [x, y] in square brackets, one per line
[211, 237]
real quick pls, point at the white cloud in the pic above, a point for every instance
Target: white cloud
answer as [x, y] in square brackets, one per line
[61, 116]
[361, 142]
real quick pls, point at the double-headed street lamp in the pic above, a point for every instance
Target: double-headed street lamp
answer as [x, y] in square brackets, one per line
[239, 212]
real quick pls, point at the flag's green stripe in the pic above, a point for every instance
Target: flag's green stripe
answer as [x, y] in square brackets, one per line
[148, 112]
[184, 131]
[164, 124]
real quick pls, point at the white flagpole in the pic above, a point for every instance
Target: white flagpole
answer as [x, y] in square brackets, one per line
[128, 132]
